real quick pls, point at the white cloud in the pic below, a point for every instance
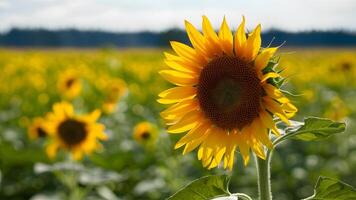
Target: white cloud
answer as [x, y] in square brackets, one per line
[129, 15]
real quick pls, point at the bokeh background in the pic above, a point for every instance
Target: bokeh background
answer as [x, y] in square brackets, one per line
[115, 49]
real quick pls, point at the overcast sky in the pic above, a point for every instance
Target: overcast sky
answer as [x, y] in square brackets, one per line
[156, 15]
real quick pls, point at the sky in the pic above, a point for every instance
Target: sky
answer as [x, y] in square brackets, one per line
[160, 15]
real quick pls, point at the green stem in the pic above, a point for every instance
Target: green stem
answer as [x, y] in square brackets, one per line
[263, 172]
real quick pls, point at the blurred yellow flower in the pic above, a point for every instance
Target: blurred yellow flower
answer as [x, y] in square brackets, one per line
[115, 90]
[337, 109]
[77, 134]
[36, 129]
[69, 84]
[145, 133]
[225, 94]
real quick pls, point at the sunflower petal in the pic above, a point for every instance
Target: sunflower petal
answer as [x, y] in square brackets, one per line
[275, 93]
[176, 94]
[267, 120]
[189, 121]
[226, 39]
[181, 65]
[276, 109]
[193, 134]
[177, 111]
[51, 149]
[194, 144]
[265, 77]
[264, 57]
[187, 52]
[179, 78]
[212, 40]
[240, 39]
[209, 31]
[253, 44]
[196, 38]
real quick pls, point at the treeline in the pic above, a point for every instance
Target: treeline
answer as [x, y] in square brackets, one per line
[78, 38]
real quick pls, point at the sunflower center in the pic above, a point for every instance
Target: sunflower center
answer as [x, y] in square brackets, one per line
[41, 133]
[72, 132]
[145, 135]
[70, 82]
[229, 92]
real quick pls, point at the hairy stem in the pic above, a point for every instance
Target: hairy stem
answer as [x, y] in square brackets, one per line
[263, 172]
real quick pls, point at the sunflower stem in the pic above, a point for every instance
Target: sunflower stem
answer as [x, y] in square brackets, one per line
[263, 176]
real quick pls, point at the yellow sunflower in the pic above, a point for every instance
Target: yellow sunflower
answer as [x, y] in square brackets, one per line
[227, 94]
[77, 134]
[145, 133]
[115, 90]
[36, 129]
[69, 84]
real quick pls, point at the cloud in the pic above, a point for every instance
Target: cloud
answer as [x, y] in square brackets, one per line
[128, 15]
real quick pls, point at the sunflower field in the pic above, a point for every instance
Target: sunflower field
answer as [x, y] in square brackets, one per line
[126, 152]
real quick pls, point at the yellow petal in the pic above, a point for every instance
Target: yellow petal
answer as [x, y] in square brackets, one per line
[92, 117]
[253, 44]
[179, 78]
[240, 39]
[51, 150]
[189, 121]
[77, 154]
[276, 109]
[209, 31]
[267, 120]
[187, 52]
[193, 134]
[182, 65]
[194, 144]
[187, 64]
[262, 133]
[264, 57]
[245, 151]
[289, 107]
[218, 155]
[63, 109]
[226, 39]
[176, 94]
[275, 93]
[196, 38]
[178, 110]
[265, 77]
[212, 40]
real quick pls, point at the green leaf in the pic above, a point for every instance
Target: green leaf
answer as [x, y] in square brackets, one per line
[204, 188]
[331, 189]
[313, 129]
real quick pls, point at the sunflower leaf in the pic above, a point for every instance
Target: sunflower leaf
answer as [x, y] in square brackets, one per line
[313, 129]
[204, 188]
[331, 189]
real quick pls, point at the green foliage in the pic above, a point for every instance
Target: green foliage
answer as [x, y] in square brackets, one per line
[314, 129]
[204, 188]
[331, 189]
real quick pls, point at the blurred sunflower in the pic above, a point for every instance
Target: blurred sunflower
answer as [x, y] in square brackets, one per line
[227, 94]
[115, 90]
[69, 84]
[36, 129]
[145, 133]
[77, 134]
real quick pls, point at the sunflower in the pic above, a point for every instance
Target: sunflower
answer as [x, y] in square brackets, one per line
[69, 84]
[77, 134]
[145, 133]
[227, 94]
[36, 129]
[115, 90]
